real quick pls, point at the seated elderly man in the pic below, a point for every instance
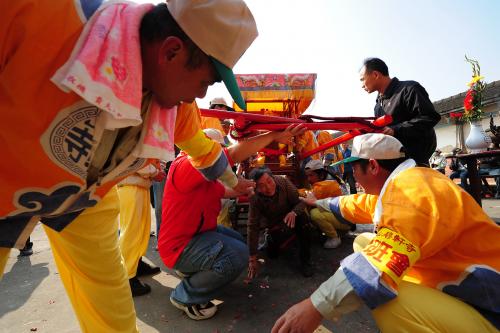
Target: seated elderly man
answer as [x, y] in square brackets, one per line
[325, 185]
[438, 161]
[277, 207]
[432, 266]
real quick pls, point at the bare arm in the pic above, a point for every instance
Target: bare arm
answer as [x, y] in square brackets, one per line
[245, 149]
[231, 193]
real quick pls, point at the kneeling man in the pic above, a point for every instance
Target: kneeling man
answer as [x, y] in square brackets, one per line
[206, 256]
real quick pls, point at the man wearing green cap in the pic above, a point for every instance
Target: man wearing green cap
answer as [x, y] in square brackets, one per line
[432, 265]
[86, 131]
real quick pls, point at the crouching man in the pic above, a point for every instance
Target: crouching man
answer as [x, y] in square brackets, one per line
[208, 257]
[432, 266]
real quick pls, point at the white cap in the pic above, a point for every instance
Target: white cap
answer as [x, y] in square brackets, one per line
[218, 101]
[375, 146]
[223, 29]
[314, 165]
[215, 135]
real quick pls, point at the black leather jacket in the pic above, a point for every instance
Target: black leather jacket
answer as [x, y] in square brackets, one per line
[414, 117]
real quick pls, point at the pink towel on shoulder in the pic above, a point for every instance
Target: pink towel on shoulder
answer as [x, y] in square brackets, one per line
[105, 70]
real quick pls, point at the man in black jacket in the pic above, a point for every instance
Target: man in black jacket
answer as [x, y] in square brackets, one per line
[414, 116]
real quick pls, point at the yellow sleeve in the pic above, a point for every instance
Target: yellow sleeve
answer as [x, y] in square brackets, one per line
[326, 189]
[204, 154]
[358, 208]
[302, 141]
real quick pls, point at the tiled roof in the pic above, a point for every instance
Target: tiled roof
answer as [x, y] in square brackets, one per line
[455, 103]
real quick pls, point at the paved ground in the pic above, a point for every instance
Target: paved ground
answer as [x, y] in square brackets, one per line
[33, 299]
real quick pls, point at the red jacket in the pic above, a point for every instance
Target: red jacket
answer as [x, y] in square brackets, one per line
[191, 205]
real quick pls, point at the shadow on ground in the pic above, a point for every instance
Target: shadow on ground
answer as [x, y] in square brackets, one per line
[26, 277]
[253, 307]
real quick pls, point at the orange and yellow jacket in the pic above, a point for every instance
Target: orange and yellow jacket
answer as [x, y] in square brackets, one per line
[51, 139]
[325, 137]
[429, 232]
[307, 142]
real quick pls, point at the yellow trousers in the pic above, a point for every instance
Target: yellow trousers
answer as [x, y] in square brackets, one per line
[223, 217]
[327, 222]
[420, 309]
[135, 225]
[90, 265]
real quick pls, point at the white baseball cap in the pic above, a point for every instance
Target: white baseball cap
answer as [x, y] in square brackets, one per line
[222, 29]
[314, 165]
[218, 101]
[375, 146]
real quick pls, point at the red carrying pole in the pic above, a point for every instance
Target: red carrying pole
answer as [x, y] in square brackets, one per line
[246, 123]
[379, 122]
[241, 119]
[310, 126]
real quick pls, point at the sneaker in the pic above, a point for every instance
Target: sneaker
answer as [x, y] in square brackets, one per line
[144, 269]
[306, 270]
[138, 288]
[196, 311]
[332, 243]
[27, 250]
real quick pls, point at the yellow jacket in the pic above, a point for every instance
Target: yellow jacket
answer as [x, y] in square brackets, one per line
[307, 142]
[50, 137]
[430, 232]
[325, 137]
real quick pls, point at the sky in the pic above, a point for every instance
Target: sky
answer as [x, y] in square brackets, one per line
[420, 40]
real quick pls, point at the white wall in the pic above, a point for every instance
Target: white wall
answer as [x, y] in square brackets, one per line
[446, 134]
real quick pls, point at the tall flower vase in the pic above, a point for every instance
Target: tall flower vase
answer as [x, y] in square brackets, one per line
[477, 141]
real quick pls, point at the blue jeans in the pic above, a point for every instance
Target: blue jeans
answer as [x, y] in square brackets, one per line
[158, 188]
[213, 259]
[464, 176]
